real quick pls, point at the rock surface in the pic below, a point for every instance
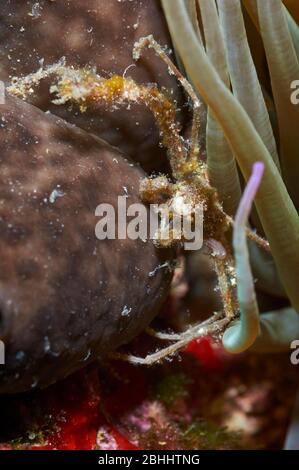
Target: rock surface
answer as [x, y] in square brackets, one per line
[65, 296]
[95, 33]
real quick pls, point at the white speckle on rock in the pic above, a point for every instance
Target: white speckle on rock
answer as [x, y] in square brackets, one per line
[47, 346]
[56, 193]
[87, 356]
[167, 265]
[126, 311]
[36, 11]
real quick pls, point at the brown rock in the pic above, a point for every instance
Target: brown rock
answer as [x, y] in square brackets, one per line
[96, 33]
[65, 296]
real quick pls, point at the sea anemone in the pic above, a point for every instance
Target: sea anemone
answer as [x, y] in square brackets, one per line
[211, 41]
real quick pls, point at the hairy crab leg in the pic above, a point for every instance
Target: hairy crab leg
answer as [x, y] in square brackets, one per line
[195, 329]
[252, 235]
[225, 287]
[216, 327]
[150, 42]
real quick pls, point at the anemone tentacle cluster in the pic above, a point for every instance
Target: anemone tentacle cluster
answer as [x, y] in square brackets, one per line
[225, 72]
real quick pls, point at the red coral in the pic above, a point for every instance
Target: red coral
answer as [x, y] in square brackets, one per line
[207, 352]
